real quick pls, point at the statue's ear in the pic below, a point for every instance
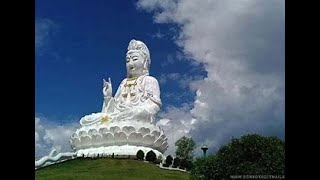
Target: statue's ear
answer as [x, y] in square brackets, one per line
[146, 66]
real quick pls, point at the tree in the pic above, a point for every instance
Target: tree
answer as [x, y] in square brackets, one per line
[158, 160]
[176, 162]
[251, 154]
[204, 168]
[151, 156]
[169, 160]
[140, 155]
[183, 163]
[185, 148]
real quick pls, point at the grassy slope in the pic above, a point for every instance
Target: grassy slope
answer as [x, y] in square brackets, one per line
[107, 169]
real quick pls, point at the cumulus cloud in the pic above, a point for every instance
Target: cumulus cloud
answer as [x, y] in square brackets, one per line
[176, 123]
[158, 35]
[241, 46]
[49, 135]
[182, 79]
[44, 30]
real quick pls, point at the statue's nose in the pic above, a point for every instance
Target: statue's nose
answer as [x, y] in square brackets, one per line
[130, 64]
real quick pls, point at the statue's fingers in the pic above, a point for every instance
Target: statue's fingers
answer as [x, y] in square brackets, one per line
[109, 79]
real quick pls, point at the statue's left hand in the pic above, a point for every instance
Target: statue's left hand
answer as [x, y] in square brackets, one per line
[107, 88]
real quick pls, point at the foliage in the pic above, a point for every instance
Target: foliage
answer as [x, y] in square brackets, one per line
[176, 162]
[169, 160]
[185, 148]
[249, 155]
[165, 165]
[140, 155]
[151, 156]
[204, 168]
[157, 161]
[160, 158]
[185, 164]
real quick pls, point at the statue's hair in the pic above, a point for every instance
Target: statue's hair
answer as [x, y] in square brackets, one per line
[136, 45]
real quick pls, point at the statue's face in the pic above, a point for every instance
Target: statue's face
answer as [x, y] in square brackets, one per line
[135, 63]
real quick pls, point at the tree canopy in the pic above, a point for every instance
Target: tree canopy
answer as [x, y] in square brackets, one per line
[185, 148]
[251, 154]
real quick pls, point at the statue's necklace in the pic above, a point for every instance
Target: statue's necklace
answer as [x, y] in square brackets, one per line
[131, 82]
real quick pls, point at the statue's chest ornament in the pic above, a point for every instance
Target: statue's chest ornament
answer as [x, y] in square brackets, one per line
[130, 88]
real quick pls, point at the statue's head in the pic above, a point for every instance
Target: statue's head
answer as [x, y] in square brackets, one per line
[137, 59]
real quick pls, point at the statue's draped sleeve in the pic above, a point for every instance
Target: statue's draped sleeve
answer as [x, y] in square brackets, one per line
[108, 106]
[151, 95]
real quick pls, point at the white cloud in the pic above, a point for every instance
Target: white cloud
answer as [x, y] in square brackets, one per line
[168, 61]
[44, 30]
[241, 46]
[158, 35]
[184, 80]
[176, 122]
[50, 135]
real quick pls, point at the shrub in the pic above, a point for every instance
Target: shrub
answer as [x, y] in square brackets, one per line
[140, 155]
[165, 165]
[251, 154]
[151, 156]
[204, 168]
[176, 162]
[157, 161]
[185, 147]
[169, 160]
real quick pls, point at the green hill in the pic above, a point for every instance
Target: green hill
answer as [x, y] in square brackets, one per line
[105, 168]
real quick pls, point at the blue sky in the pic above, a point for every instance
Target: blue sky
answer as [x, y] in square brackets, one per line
[86, 42]
[220, 64]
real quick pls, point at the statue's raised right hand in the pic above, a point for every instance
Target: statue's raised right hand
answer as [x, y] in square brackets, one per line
[107, 88]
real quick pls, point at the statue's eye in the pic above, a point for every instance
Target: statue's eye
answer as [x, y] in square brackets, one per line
[135, 58]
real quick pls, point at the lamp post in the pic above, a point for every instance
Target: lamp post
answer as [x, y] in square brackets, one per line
[204, 149]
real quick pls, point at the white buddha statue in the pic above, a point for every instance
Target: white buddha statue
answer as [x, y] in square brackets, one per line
[138, 96]
[126, 123]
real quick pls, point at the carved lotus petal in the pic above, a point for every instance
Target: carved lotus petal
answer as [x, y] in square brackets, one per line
[96, 137]
[86, 140]
[72, 145]
[103, 130]
[115, 129]
[76, 142]
[144, 131]
[158, 142]
[148, 139]
[156, 134]
[74, 135]
[128, 129]
[82, 133]
[120, 138]
[92, 131]
[163, 136]
[163, 146]
[108, 139]
[135, 138]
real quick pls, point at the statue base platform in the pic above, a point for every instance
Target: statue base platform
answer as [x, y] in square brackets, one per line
[118, 137]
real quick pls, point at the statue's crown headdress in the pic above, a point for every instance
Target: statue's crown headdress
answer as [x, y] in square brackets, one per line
[138, 45]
